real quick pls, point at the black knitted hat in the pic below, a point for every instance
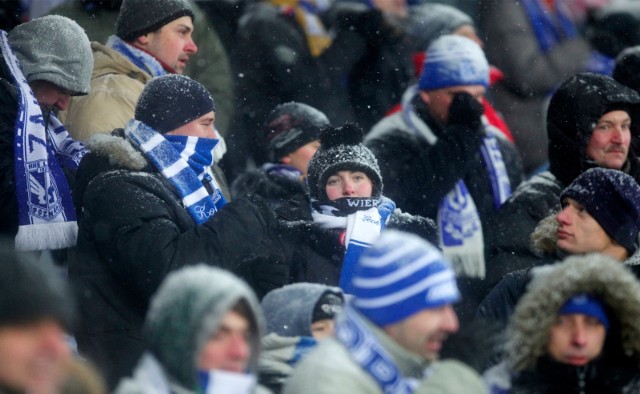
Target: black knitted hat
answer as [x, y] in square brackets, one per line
[139, 17]
[627, 66]
[612, 198]
[341, 149]
[290, 126]
[172, 100]
[31, 290]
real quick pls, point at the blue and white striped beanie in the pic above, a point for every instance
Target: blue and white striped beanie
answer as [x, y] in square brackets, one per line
[401, 274]
[453, 60]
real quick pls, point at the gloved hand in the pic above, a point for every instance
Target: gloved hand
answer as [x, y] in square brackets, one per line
[466, 111]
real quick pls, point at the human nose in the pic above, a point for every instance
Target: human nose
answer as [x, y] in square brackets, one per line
[348, 188]
[563, 217]
[191, 47]
[239, 348]
[52, 341]
[616, 136]
[63, 101]
[450, 323]
[578, 335]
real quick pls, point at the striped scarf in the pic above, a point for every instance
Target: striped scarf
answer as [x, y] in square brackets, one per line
[140, 58]
[185, 162]
[306, 15]
[42, 147]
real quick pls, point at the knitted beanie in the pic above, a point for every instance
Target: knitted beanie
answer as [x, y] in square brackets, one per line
[454, 61]
[585, 304]
[627, 66]
[290, 126]
[56, 49]
[341, 149]
[612, 198]
[400, 275]
[139, 17]
[430, 21]
[289, 310]
[172, 100]
[187, 310]
[31, 290]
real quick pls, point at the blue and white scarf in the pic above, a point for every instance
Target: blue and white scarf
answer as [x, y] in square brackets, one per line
[362, 218]
[46, 214]
[185, 162]
[282, 170]
[550, 28]
[226, 382]
[365, 350]
[459, 222]
[140, 58]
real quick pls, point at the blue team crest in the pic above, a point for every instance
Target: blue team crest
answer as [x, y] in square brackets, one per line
[44, 198]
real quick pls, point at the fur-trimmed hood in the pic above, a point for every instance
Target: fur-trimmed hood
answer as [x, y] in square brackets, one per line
[117, 149]
[552, 285]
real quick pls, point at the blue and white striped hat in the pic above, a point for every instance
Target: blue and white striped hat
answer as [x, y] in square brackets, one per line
[401, 274]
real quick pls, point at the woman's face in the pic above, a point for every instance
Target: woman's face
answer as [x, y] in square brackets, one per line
[348, 184]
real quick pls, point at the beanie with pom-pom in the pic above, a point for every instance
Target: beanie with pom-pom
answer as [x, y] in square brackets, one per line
[341, 149]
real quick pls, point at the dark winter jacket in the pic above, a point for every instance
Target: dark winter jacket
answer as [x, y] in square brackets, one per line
[8, 113]
[316, 253]
[528, 370]
[570, 123]
[274, 188]
[378, 67]
[274, 65]
[501, 301]
[134, 230]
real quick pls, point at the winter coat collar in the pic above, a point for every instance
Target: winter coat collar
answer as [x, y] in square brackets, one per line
[118, 150]
[552, 285]
[108, 61]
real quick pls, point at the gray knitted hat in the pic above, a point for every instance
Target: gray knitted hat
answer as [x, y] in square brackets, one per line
[429, 22]
[341, 149]
[186, 311]
[56, 49]
[289, 309]
[139, 17]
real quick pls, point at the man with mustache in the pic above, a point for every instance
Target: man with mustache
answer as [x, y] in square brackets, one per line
[592, 121]
[152, 38]
[389, 335]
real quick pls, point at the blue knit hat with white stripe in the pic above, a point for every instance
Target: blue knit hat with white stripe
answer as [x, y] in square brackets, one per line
[454, 61]
[401, 274]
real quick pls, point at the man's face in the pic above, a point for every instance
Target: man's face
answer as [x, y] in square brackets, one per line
[228, 349]
[576, 339]
[424, 332]
[202, 127]
[172, 43]
[50, 96]
[439, 100]
[348, 184]
[33, 356]
[609, 142]
[578, 232]
[301, 157]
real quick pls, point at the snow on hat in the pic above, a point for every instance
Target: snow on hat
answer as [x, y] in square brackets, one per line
[341, 149]
[401, 274]
[612, 198]
[56, 49]
[139, 17]
[187, 310]
[290, 126]
[430, 21]
[172, 100]
[454, 61]
[290, 309]
[585, 304]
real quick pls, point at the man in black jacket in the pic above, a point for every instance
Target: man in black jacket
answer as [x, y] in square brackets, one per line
[149, 205]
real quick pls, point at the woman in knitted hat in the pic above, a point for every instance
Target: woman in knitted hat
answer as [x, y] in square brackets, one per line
[345, 213]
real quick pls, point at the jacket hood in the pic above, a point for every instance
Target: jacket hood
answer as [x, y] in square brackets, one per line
[574, 111]
[552, 285]
[108, 61]
[186, 311]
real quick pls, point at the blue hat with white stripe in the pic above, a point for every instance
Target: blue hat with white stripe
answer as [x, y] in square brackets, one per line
[400, 275]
